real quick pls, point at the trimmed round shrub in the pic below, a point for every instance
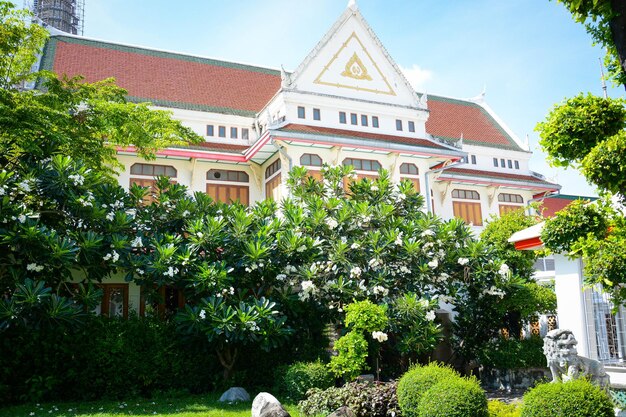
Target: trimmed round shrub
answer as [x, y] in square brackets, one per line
[417, 381]
[577, 398]
[454, 397]
[500, 409]
[302, 376]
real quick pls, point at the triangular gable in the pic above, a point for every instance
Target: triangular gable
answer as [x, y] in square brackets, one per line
[350, 61]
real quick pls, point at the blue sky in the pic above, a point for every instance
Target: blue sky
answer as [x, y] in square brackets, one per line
[529, 54]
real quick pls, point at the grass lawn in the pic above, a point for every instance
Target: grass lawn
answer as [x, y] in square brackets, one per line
[188, 406]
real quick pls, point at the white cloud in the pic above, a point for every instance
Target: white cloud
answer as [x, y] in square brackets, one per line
[417, 76]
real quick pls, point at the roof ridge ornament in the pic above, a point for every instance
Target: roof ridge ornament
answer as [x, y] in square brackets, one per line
[423, 100]
[352, 5]
[285, 79]
[480, 98]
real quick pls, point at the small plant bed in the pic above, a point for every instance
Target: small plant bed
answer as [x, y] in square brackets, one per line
[184, 406]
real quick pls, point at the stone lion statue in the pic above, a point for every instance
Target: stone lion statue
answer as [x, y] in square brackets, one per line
[559, 346]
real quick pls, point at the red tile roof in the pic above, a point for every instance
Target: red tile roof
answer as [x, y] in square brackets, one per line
[182, 81]
[491, 175]
[218, 147]
[327, 131]
[550, 205]
[451, 118]
[164, 78]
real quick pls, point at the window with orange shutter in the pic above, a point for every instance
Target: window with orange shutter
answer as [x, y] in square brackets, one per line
[145, 175]
[410, 172]
[220, 186]
[273, 180]
[469, 211]
[512, 202]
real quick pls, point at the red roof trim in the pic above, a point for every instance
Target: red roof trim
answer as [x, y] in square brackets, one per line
[473, 181]
[533, 242]
[330, 131]
[185, 153]
[371, 148]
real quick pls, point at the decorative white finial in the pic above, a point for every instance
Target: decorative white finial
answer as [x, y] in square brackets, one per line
[285, 79]
[423, 100]
[352, 5]
[527, 142]
[481, 97]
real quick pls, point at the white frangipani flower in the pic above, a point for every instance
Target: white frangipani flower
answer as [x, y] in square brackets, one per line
[463, 261]
[430, 316]
[380, 336]
[137, 242]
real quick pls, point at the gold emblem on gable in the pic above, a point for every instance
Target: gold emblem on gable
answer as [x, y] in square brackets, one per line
[360, 68]
[356, 69]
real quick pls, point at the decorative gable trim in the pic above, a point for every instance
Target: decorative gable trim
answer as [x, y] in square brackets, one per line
[352, 10]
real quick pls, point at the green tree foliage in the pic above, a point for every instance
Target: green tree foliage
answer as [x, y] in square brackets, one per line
[497, 233]
[573, 128]
[593, 140]
[605, 20]
[19, 41]
[85, 121]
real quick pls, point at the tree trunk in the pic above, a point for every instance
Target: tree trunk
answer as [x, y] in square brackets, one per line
[618, 30]
[227, 356]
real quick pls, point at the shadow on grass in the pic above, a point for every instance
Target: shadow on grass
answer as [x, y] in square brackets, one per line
[187, 406]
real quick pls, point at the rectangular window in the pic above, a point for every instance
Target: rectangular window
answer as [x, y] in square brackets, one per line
[374, 121]
[415, 181]
[342, 117]
[245, 133]
[221, 131]
[354, 119]
[505, 208]
[411, 126]
[272, 188]
[502, 163]
[301, 112]
[316, 114]
[516, 164]
[150, 195]
[114, 300]
[495, 162]
[169, 301]
[209, 130]
[399, 125]
[469, 212]
[473, 159]
[510, 164]
[364, 120]
[233, 133]
[228, 194]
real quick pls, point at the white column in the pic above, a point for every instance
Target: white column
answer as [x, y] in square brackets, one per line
[571, 308]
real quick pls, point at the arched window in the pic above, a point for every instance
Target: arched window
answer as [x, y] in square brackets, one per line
[152, 170]
[465, 194]
[363, 164]
[227, 175]
[310, 159]
[409, 169]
